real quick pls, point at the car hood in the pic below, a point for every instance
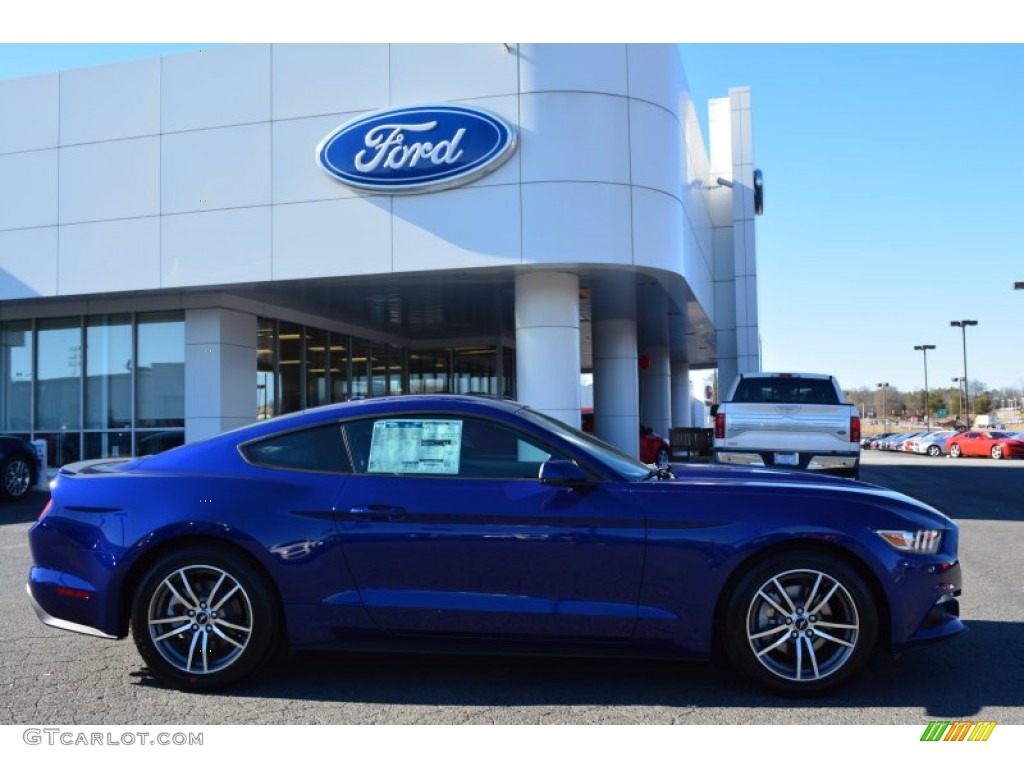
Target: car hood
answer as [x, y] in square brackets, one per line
[770, 481]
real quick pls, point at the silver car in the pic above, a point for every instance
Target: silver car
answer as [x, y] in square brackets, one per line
[933, 443]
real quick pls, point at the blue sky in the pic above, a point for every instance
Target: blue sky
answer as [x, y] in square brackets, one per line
[893, 178]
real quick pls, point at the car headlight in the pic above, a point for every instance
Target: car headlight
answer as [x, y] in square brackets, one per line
[921, 542]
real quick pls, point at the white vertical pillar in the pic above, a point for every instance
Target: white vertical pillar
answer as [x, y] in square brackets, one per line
[548, 343]
[682, 411]
[616, 383]
[220, 371]
[656, 395]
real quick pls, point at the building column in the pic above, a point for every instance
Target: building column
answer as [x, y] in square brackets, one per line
[655, 391]
[220, 371]
[616, 383]
[682, 400]
[548, 343]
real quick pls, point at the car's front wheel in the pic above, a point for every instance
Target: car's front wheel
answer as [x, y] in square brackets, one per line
[15, 478]
[800, 623]
[934, 450]
[204, 618]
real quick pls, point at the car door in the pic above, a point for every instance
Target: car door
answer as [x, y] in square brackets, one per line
[447, 530]
[974, 444]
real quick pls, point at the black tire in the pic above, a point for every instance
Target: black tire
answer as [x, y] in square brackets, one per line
[16, 477]
[222, 640]
[934, 450]
[663, 459]
[778, 639]
[954, 451]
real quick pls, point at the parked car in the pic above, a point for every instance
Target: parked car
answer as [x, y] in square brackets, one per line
[654, 448]
[978, 442]
[874, 440]
[934, 443]
[799, 420]
[19, 467]
[454, 523]
[905, 443]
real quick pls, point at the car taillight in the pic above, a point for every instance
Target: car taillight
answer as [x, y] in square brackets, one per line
[855, 429]
[46, 509]
[719, 426]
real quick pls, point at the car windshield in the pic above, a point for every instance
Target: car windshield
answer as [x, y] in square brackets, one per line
[612, 457]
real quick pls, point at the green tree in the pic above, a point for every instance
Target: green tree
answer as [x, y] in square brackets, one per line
[982, 403]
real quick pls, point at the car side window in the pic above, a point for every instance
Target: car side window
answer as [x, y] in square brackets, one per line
[319, 449]
[445, 446]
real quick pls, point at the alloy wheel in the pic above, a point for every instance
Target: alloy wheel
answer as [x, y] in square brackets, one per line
[17, 478]
[802, 625]
[200, 619]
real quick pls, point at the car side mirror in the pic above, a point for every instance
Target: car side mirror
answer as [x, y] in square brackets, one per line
[562, 472]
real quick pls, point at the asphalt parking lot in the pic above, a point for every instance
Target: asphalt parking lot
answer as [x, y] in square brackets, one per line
[54, 677]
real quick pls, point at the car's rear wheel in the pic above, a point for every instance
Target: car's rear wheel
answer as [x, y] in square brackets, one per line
[934, 450]
[997, 451]
[204, 618]
[800, 623]
[15, 478]
[954, 451]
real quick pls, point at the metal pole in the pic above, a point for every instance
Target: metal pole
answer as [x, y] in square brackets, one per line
[884, 385]
[962, 325]
[924, 348]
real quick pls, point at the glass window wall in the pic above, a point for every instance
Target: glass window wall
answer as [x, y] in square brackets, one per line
[160, 371]
[16, 377]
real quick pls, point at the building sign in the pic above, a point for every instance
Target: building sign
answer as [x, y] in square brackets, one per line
[416, 149]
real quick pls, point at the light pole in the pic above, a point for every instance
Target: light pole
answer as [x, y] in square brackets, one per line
[883, 385]
[962, 325]
[959, 393]
[924, 348]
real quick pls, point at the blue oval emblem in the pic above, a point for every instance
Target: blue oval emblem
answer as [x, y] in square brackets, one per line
[416, 149]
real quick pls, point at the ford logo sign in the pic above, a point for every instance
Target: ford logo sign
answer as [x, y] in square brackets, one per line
[416, 149]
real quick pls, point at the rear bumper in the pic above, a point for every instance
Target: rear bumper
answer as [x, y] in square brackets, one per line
[71, 626]
[833, 463]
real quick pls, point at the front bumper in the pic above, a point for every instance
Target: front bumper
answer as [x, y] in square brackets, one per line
[935, 614]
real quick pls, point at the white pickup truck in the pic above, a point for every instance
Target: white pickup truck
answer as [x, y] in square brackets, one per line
[788, 420]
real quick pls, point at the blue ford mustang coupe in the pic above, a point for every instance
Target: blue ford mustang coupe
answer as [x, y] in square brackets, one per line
[464, 523]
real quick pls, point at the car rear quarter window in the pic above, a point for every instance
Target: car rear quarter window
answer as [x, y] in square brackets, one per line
[319, 449]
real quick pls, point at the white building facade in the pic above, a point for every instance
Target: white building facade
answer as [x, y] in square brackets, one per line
[176, 259]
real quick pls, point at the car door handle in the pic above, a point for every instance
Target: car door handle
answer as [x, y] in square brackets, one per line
[378, 511]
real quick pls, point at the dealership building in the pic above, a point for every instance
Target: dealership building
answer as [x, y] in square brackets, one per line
[194, 242]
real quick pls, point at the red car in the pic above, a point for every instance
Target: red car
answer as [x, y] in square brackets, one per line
[654, 449]
[976, 442]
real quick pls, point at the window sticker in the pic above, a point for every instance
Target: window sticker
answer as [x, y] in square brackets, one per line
[416, 446]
